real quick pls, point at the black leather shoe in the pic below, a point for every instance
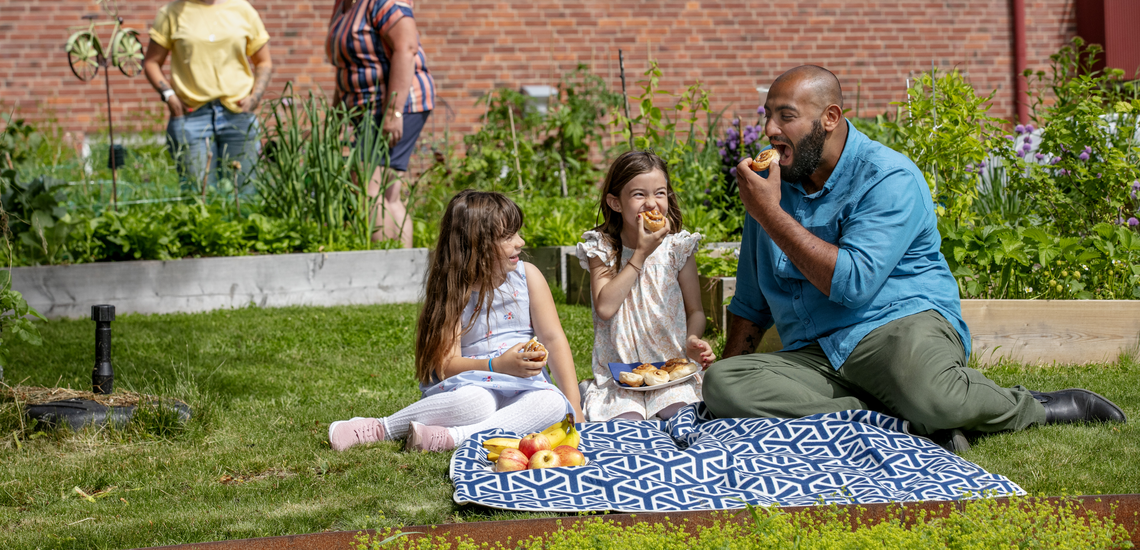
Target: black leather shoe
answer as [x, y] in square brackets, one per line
[952, 440]
[1077, 405]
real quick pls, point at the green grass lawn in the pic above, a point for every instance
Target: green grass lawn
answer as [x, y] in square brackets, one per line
[265, 383]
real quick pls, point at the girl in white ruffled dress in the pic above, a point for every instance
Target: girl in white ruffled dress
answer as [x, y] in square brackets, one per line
[645, 290]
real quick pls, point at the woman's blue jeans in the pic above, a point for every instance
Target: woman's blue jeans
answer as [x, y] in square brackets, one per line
[213, 132]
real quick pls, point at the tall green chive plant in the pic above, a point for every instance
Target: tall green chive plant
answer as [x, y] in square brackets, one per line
[309, 171]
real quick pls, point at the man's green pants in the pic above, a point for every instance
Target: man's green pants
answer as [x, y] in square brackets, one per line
[913, 368]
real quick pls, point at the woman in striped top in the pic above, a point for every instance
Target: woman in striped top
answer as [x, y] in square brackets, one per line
[380, 64]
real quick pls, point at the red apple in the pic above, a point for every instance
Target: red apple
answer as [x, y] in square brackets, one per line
[544, 459]
[533, 443]
[511, 460]
[569, 456]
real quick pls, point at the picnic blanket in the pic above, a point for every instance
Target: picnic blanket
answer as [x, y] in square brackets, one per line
[694, 462]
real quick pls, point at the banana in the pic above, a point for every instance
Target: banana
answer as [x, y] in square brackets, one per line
[497, 444]
[512, 442]
[492, 456]
[557, 433]
[573, 438]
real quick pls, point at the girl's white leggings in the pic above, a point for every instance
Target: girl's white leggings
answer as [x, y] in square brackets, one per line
[473, 409]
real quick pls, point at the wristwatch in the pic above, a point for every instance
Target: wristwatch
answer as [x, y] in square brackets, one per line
[166, 95]
[397, 114]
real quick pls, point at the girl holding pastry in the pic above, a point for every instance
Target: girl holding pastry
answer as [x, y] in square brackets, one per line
[482, 307]
[646, 295]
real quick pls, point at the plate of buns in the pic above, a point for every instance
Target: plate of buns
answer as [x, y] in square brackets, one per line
[653, 376]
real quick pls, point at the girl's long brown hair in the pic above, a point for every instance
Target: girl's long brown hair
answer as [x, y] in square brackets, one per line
[628, 166]
[467, 261]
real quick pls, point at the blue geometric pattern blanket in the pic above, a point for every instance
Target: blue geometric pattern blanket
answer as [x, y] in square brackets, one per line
[694, 462]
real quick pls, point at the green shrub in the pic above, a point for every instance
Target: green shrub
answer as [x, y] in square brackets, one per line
[1029, 262]
[1086, 168]
[1019, 523]
[519, 150]
[944, 127]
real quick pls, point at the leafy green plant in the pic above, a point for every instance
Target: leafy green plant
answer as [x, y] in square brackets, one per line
[554, 221]
[718, 262]
[694, 166]
[1001, 262]
[519, 149]
[37, 216]
[14, 310]
[945, 128]
[1087, 165]
[1020, 522]
[305, 173]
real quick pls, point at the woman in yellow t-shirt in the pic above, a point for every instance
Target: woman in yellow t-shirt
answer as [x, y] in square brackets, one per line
[219, 67]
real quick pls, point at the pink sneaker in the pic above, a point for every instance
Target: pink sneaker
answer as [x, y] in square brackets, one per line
[346, 433]
[429, 438]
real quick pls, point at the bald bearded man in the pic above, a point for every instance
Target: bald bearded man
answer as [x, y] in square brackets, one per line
[841, 252]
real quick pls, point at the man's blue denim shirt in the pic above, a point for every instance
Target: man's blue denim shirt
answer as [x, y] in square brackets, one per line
[876, 208]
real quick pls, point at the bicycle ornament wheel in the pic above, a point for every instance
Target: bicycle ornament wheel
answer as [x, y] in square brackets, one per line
[83, 56]
[127, 53]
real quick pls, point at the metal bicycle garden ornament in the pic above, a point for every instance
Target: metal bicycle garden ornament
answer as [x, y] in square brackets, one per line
[86, 55]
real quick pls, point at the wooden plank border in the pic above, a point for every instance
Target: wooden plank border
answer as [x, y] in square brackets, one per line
[1026, 331]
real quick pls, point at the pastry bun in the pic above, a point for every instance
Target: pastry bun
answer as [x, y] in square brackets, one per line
[644, 368]
[765, 158]
[682, 371]
[674, 363]
[653, 220]
[631, 379]
[535, 345]
[656, 377]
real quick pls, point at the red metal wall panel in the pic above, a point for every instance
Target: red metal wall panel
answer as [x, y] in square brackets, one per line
[1122, 36]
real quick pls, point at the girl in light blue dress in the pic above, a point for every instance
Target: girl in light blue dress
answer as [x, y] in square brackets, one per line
[481, 306]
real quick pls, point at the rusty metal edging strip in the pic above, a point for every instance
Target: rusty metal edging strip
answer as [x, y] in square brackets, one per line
[1125, 507]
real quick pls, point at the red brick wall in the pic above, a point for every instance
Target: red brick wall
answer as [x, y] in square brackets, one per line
[731, 46]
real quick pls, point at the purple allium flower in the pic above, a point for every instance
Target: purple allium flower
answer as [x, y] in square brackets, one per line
[736, 122]
[1055, 160]
[1021, 154]
[722, 151]
[969, 167]
[1009, 137]
[1019, 129]
[1133, 222]
[707, 202]
[1039, 156]
[1135, 188]
[720, 143]
[732, 172]
[1027, 139]
[731, 134]
[981, 165]
[1088, 149]
[760, 110]
[1029, 128]
[1084, 156]
[1026, 147]
[1100, 174]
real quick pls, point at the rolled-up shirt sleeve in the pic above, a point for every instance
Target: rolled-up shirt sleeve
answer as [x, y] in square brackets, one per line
[876, 235]
[749, 302]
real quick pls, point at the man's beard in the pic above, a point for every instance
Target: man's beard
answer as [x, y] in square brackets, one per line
[807, 156]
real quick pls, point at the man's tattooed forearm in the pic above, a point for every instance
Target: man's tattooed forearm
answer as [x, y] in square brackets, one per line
[750, 342]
